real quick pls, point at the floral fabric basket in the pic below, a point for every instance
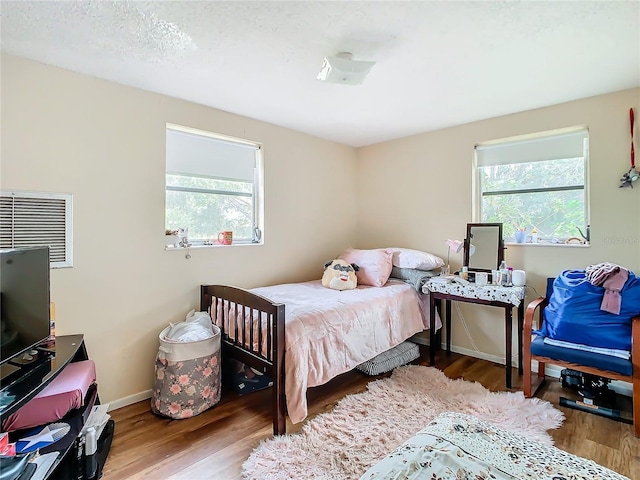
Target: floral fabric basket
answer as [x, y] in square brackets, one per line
[187, 380]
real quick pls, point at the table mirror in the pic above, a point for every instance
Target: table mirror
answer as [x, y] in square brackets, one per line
[483, 246]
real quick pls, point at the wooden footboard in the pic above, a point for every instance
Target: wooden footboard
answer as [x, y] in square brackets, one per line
[252, 333]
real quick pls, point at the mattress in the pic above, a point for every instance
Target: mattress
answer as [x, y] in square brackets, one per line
[65, 392]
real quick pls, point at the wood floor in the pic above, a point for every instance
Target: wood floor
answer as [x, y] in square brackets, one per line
[214, 444]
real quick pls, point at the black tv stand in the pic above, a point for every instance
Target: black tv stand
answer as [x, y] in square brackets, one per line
[34, 376]
[21, 381]
[26, 363]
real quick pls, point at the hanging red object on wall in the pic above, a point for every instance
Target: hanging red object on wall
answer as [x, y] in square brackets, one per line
[632, 175]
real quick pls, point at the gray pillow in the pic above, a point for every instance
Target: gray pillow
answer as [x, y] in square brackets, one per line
[413, 277]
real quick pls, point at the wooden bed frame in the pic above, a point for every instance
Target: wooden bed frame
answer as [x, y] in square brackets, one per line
[269, 317]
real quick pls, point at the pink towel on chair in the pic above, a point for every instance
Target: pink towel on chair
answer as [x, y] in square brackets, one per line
[613, 284]
[598, 273]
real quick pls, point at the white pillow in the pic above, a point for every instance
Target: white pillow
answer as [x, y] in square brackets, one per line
[407, 258]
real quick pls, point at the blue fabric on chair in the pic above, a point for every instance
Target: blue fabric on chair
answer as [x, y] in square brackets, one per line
[574, 314]
[583, 361]
[581, 357]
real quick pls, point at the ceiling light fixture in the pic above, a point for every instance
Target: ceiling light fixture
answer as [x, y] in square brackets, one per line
[343, 69]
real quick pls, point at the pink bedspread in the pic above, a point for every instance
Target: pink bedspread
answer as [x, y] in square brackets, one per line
[329, 332]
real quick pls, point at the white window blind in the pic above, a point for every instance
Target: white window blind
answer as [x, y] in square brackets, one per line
[196, 154]
[553, 147]
[30, 219]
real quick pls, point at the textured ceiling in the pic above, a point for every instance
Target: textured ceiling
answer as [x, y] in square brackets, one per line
[438, 63]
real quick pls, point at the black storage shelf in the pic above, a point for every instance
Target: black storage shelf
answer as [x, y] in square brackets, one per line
[18, 387]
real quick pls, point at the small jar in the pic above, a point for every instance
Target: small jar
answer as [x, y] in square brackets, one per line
[464, 273]
[534, 235]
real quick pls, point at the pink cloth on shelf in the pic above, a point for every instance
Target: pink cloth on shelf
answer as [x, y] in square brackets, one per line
[613, 284]
[65, 392]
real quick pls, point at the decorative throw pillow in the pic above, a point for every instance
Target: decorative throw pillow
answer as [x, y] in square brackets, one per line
[408, 258]
[414, 277]
[392, 358]
[339, 275]
[375, 265]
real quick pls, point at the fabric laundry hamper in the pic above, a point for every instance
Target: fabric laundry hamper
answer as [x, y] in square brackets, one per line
[187, 380]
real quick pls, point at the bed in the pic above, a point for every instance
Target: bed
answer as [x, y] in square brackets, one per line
[303, 334]
[456, 445]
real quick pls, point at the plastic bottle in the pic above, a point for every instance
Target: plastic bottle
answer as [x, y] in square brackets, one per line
[502, 269]
[90, 448]
[534, 235]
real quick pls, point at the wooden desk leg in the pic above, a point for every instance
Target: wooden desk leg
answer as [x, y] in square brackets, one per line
[508, 327]
[432, 330]
[447, 314]
[520, 335]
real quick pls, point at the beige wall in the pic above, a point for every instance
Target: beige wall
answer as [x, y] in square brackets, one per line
[416, 192]
[105, 144]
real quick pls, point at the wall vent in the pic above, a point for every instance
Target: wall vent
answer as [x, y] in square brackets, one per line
[29, 219]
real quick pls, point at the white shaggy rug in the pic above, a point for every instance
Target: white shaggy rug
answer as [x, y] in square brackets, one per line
[365, 427]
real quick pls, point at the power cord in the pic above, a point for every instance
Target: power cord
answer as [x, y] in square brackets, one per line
[466, 328]
[533, 288]
[514, 357]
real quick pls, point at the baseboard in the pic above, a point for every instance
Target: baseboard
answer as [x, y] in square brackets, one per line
[553, 371]
[130, 400]
[424, 340]
[475, 354]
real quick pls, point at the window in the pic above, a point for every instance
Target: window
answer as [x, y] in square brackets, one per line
[213, 184]
[537, 181]
[29, 219]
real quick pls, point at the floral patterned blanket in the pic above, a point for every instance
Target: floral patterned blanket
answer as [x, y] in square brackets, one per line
[460, 446]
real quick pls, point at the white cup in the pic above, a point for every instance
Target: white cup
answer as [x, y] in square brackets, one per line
[482, 278]
[518, 278]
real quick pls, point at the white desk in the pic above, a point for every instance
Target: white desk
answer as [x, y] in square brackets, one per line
[493, 295]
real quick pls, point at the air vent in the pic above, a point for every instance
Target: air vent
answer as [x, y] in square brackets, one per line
[29, 219]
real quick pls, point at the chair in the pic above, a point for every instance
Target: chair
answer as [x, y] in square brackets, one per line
[586, 362]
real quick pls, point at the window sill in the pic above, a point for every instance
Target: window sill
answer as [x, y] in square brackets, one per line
[548, 244]
[198, 247]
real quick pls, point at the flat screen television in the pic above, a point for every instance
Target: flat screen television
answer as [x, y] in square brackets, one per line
[24, 300]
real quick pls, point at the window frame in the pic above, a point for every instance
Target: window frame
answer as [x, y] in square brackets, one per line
[257, 185]
[478, 194]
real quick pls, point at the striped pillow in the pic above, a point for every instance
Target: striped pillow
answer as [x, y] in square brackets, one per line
[392, 358]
